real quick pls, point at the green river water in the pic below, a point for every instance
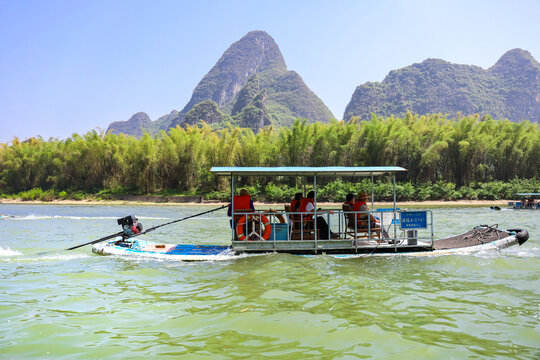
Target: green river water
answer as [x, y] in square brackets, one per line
[78, 305]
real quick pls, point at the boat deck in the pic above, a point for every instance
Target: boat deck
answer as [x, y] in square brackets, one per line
[343, 246]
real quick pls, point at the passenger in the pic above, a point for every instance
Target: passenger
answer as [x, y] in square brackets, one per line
[361, 205]
[361, 202]
[242, 203]
[307, 205]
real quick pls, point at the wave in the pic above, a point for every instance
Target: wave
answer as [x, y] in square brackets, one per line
[61, 257]
[8, 254]
[6, 251]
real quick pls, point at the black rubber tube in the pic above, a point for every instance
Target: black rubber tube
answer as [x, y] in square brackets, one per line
[522, 235]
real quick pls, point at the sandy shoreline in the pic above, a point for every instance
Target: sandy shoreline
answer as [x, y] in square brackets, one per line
[434, 203]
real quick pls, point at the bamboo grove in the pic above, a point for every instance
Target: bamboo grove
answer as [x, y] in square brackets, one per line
[434, 148]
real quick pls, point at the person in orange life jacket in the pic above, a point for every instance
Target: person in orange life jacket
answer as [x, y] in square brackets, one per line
[361, 205]
[307, 205]
[242, 203]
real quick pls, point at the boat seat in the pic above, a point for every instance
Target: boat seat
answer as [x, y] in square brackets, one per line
[359, 232]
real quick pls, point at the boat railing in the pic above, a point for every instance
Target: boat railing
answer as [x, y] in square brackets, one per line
[519, 205]
[386, 229]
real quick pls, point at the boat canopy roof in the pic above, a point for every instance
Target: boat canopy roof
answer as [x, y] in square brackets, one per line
[527, 194]
[307, 171]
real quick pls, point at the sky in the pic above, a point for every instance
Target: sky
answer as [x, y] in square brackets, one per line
[73, 66]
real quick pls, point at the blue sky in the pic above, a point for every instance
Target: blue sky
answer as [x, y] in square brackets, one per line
[72, 66]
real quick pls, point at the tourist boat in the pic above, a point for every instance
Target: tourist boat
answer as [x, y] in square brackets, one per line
[527, 204]
[397, 232]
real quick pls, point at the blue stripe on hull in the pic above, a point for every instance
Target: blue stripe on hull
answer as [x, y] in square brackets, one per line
[180, 249]
[197, 250]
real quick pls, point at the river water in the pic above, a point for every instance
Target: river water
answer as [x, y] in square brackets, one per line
[78, 305]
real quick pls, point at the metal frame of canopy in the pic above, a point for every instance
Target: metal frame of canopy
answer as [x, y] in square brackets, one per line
[364, 171]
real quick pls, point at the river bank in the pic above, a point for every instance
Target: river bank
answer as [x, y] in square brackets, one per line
[429, 203]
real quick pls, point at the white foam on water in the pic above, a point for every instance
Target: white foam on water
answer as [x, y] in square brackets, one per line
[6, 251]
[45, 217]
[49, 257]
[63, 257]
[523, 251]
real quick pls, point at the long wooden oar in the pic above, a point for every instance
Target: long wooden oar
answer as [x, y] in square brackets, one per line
[175, 221]
[147, 231]
[88, 243]
[98, 240]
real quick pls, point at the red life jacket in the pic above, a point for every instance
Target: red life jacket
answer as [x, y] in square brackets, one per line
[358, 204]
[349, 203]
[303, 206]
[241, 203]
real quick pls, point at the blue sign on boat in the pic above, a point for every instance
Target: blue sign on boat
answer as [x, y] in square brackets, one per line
[413, 220]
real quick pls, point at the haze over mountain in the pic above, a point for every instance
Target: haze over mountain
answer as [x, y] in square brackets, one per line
[249, 86]
[509, 89]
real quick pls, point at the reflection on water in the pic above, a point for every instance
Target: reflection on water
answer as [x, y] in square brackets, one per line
[77, 304]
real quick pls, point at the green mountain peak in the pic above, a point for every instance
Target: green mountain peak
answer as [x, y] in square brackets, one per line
[509, 89]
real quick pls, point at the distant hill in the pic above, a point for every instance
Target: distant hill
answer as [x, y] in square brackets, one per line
[509, 89]
[249, 86]
[134, 126]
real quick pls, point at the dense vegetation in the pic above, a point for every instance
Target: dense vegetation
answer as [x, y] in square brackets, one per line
[509, 89]
[464, 157]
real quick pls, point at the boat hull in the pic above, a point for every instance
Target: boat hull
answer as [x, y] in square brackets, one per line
[146, 249]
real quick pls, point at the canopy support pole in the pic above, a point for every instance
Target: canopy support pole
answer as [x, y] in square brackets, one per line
[395, 229]
[315, 212]
[372, 194]
[233, 179]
